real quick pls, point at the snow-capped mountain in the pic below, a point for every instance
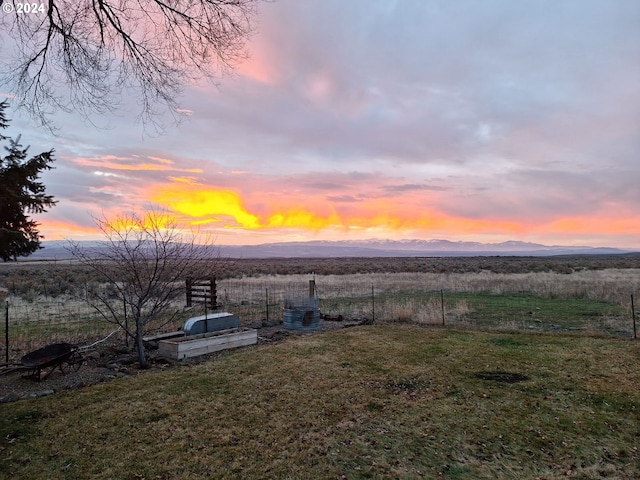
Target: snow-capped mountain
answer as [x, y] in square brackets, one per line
[365, 248]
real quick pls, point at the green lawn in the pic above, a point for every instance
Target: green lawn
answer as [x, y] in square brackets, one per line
[522, 311]
[367, 402]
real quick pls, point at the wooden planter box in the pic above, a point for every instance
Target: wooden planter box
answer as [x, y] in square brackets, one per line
[196, 345]
[163, 336]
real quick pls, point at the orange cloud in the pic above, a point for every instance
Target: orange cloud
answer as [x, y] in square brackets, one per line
[206, 203]
[117, 163]
[151, 221]
[61, 230]
[599, 225]
[226, 210]
[187, 180]
[303, 218]
[259, 69]
[164, 161]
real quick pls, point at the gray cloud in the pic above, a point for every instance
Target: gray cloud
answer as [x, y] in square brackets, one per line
[422, 82]
[407, 187]
[343, 198]
[323, 186]
[498, 108]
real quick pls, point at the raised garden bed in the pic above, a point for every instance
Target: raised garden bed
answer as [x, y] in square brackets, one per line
[195, 345]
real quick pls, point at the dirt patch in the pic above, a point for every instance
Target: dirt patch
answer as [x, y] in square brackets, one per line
[110, 361]
[503, 377]
[98, 365]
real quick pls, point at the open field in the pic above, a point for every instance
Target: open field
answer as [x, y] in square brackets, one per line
[393, 400]
[366, 402]
[57, 276]
[590, 295]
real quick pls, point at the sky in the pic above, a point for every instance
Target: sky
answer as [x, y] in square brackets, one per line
[464, 120]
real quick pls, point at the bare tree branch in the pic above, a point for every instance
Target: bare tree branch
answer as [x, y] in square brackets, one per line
[81, 55]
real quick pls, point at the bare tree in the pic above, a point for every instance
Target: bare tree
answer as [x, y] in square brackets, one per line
[141, 269]
[92, 50]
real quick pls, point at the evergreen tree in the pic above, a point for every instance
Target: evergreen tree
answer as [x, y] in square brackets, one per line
[20, 194]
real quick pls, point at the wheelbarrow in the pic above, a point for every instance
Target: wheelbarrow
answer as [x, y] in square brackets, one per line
[50, 357]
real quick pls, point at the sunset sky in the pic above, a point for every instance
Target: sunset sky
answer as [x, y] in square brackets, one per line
[465, 120]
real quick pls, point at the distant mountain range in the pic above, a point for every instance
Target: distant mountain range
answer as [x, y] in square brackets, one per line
[367, 248]
[406, 248]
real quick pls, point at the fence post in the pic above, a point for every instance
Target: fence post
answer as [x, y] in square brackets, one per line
[6, 331]
[206, 314]
[633, 316]
[188, 285]
[214, 293]
[373, 305]
[266, 303]
[442, 304]
[126, 322]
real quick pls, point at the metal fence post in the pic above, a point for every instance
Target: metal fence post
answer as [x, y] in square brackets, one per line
[633, 316]
[373, 305]
[214, 293]
[6, 331]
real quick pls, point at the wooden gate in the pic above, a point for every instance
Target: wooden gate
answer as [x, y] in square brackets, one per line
[202, 291]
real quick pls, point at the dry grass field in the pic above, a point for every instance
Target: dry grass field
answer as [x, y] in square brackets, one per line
[589, 294]
[535, 376]
[368, 402]
[59, 276]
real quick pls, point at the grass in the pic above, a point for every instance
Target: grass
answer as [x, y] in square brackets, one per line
[592, 301]
[585, 300]
[526, 311]
[486, 310]
[367, 402]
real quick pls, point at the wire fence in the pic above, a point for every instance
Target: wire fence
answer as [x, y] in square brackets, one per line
[260, 301]
[31, 324]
